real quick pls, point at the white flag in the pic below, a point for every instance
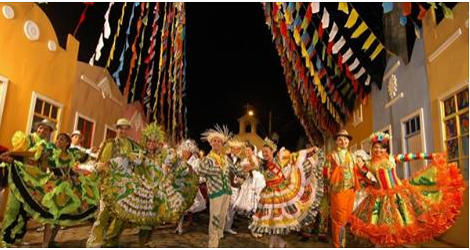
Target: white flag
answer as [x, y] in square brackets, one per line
[325, 20]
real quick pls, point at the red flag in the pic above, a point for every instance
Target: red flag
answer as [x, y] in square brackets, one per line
[320, 31]
[406, 8]
[329, 48]
[422, 12]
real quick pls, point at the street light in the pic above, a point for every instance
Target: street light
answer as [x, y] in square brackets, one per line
[251, 113]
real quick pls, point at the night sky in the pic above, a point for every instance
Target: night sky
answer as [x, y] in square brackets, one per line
[231, 61]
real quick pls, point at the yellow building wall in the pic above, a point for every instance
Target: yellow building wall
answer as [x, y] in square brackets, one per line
[359, 132]
[31, 66]
[89, 102]
[446, 72]
[450, 68]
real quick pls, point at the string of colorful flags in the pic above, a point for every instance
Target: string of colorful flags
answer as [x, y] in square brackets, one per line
[162, 91]
[325, 77]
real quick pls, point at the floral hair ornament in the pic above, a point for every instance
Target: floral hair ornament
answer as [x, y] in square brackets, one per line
[269, 143]
[153, 132]
[219, 132]
[379, 137]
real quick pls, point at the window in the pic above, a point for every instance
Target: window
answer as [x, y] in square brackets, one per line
[248, 128]
[87, 128]
[109, 133]
[3, 95]
[413, 140]
[353, 148]
[43, 107]
[357, 115]
[455, 123]
[365, 145]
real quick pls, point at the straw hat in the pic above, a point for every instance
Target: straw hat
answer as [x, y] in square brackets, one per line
[45, 122]
[123, 122]
[343, 132]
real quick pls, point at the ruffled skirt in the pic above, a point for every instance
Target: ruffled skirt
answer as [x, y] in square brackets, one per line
[417, 211]
[288, 206]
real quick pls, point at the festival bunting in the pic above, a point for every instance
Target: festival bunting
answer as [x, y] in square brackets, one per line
[113, 46]
[134, 51]
[141, 45]
[126, 46]
[106, 32]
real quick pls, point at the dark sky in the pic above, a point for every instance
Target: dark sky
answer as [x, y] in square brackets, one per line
[231, 61]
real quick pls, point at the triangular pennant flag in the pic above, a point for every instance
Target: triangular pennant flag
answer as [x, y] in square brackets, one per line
[359, 74]
[367, 80]
[315, 7]
[368, 42]
[333, 32]
[347, 55]
[354, 65]
[305, 38]
[388, 6]
[359, 30]
[297, 36]
[447, 11]
[406, 8]
[338, 45]
[325, 20]
[417, 31]
[315, 38]
[377, 51]
[403, 20]
[351, 19]
[422, 12]
[343, 6]
[329, 48]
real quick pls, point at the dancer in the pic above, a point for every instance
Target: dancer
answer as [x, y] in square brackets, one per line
[407, 211]
[43, 186]
[250, 190]
[236, 155]
[343, 183]
[215, 168]
[188, 152]
[292, 193]
[112, 150]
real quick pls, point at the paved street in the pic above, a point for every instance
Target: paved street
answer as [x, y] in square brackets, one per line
[195, 236]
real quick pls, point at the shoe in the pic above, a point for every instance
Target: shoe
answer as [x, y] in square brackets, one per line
[231, 231]
[179, 231]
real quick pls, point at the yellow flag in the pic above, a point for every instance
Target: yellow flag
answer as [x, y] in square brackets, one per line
[303, 50]
[368, 42]
[343, 6]
[359, 30]
[310, 67]
[351, 19]
[316, 80]
[376, 51]
[296, 36]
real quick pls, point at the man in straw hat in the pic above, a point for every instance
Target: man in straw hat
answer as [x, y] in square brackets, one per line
[123, 146]
[341, 169]
[215, 168]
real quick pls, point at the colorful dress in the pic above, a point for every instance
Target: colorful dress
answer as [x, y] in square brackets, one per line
[409, 211]
[142, 193]
[46, 189]
[291, 197]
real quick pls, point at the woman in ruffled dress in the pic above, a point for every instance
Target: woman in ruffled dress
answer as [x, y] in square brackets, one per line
[398, 212]
[250, 190]
[294, 187]
[155, 189]
[45, 187]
